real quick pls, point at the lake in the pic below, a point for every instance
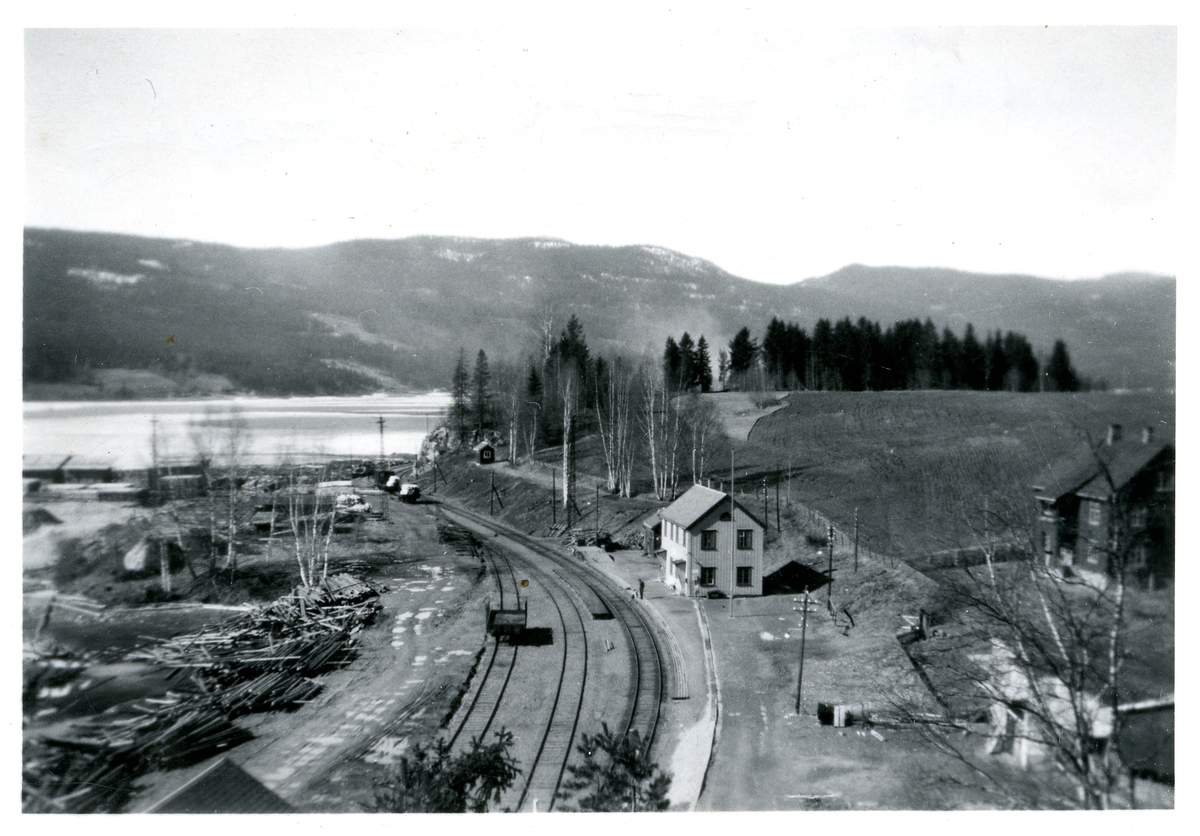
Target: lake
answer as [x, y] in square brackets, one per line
[299, 429]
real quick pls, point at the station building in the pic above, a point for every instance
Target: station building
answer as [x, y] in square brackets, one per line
[710, 544]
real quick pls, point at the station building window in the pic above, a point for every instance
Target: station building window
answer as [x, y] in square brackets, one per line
[745, 576]
[745, 538]
[708, 541]
[708, 575]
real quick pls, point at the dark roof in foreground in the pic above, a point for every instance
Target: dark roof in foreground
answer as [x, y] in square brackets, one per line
[222, 788]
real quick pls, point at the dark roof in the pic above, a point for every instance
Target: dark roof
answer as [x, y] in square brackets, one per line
[696, 502]
[222, 788]
[1083, 473]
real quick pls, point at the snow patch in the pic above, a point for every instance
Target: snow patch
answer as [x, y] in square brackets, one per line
[105, 276]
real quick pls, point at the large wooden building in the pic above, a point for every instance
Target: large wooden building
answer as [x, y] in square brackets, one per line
[711, 544]
[1113, 502]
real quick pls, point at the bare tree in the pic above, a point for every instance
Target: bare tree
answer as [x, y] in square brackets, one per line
[660, 421]
[705, 431]
[614, 416]
[312, 528]
[569, 386]
[1041, 651]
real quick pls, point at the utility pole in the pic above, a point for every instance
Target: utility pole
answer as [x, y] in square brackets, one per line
[803, 632]
[766, 508]
[829, 586]
[492, 496]
[553, 499]
[382, 478]
[597, 513]
[856, 541]
[778, 524]
[732, 534]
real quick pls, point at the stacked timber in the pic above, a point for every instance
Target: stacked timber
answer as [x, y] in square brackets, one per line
[263, 660]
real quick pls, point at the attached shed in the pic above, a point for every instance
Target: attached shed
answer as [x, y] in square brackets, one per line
[486, 452]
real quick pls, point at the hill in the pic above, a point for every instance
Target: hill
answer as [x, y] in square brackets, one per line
[358, 315]
[924, 469]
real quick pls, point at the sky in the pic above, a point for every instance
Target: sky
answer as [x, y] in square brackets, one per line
[773, 146]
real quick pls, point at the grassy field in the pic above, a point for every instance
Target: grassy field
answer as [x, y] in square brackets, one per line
[921, 467]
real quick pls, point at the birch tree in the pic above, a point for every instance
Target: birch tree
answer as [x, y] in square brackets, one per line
[614, 417]
[660, 421]
[1045, 651]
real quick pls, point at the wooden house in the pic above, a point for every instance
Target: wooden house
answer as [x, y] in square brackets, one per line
[486, 452]
[711, 544]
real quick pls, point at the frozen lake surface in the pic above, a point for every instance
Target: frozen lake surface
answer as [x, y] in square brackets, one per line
[275, 429]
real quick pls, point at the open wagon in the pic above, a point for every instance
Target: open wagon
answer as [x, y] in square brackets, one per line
[503, 623]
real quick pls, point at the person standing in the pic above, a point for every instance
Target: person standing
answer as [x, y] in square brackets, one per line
[641, 589]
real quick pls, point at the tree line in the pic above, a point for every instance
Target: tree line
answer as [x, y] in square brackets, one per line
[862, 356]
[649, 419]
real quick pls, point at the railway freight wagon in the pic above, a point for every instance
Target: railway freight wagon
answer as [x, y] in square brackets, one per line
[503, 623]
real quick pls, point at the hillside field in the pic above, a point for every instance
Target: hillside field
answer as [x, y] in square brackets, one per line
[922, 467]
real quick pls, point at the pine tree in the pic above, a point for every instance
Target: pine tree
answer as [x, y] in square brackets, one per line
[432, 780]
[672, 364]
[703, 366]
[458, 395]
[974, 361]
[1060, 376]
[742, 351]
[480, 390]
[687, 362]
[616, 774]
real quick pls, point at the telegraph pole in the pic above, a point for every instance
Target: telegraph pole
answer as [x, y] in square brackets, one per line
[732, 533]
[766, 508]
[597, 513]
[803, 632]
[829, 586]
[856, 541]
[382, 479]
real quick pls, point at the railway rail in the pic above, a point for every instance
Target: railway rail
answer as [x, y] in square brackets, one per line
[579, 594]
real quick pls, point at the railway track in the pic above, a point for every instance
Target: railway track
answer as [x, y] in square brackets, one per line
[578, 594]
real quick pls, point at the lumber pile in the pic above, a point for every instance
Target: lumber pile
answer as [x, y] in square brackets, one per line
[93, 767]
[263, 660]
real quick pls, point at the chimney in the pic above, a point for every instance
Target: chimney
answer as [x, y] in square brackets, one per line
[1147, 435]
[1114, 434]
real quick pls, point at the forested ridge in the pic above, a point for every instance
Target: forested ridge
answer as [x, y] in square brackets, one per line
[359, 316]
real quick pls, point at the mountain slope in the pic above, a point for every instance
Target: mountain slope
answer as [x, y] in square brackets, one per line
[298, 321]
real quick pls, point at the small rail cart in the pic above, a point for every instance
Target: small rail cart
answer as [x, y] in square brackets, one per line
[507, 623]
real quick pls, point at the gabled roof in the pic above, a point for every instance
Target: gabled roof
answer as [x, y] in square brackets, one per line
[481, 445]
[222, 788]
[695, 503]
[43, 461]
[1084, 473]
